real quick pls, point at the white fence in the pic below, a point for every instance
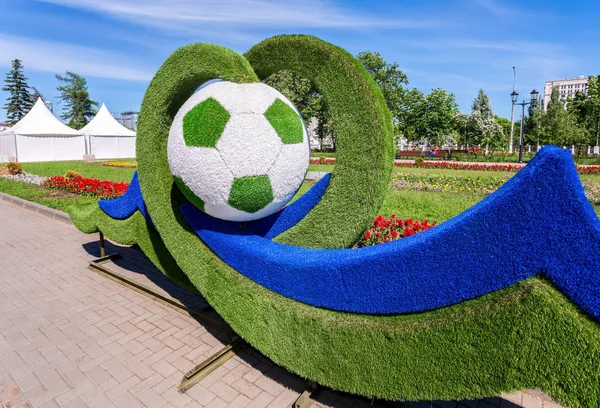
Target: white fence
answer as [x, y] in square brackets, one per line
[112, 147]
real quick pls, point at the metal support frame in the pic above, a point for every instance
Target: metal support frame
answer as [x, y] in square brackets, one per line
[211, 319]
[102, 248]
[209, 365]
[305, 399]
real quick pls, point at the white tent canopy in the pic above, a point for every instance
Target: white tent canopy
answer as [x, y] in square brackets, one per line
[107, 138]
[40, 136]
[104, 124]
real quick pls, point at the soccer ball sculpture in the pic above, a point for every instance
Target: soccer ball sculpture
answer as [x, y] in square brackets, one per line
[238, 152]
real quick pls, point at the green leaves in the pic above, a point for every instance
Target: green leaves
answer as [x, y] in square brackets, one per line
[430, 116]
[78, 108]
[20, 100]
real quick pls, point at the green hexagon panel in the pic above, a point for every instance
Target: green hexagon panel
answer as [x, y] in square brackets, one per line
[285, 121]
[204, 123]
[251, 194]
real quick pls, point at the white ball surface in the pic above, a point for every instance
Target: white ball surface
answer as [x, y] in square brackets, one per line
[234, 163]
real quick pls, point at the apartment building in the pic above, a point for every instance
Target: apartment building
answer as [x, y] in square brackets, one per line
[568, 87]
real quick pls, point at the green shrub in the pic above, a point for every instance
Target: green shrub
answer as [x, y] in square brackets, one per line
[71, 174]
[14, 168]
[419, 161]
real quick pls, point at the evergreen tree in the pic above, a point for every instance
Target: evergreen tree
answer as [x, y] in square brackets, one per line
[37, 95]
[19, 100]
[78, 107]
[481, 105]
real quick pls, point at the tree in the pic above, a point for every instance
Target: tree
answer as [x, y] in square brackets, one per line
[305, 96]
[505, 124]
[432, 116]
[481, 104]
[37, 95]
[19, 100]
[554, 97]
[533, 132]
[560, 127]
[587, 108]
[300, 91]
[389, 77]
[78, 107]
[410, 115]
[483, 127]
[491, 133]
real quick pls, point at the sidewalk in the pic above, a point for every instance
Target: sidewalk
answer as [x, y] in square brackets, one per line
[70, 337]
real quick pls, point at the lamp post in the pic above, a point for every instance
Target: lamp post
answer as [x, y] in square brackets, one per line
[514, 95]
[512, 115]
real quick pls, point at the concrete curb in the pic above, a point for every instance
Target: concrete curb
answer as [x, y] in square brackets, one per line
[38, 208]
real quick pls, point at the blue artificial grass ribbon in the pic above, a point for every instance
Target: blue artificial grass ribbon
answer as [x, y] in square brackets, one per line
[538, 222]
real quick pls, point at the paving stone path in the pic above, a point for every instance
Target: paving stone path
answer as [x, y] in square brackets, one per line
[70, 337]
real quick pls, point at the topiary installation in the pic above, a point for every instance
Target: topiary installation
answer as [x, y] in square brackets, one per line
[481, 321]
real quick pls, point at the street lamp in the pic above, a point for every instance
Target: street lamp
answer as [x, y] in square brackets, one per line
[513, 96]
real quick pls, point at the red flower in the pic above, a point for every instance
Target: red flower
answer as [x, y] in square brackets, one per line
[89, 187]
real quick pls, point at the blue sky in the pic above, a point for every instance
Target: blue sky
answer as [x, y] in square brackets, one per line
[459, 45]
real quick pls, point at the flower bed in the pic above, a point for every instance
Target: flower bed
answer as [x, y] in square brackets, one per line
[87, 187]
[390, 229]
[470, 185]
[130, 165]
[461, 165]
[322, 160]
[461, 184]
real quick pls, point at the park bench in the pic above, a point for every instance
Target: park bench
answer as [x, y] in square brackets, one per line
[443, 154]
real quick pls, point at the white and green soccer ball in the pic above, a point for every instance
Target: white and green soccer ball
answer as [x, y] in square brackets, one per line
[238, 152]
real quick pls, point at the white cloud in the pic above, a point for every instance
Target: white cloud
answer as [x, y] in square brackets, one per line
[57, 57]
[222, 15]
[493, 6]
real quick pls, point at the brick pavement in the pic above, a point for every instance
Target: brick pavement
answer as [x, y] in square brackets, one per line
[70, 337]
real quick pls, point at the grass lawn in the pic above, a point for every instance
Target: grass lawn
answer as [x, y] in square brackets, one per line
[450, 172]
[89, 170]
[59, 200]
[435, 206]
[427, 205]
[319, 154]
[328, 168]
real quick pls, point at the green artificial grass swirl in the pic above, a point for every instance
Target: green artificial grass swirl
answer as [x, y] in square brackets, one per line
[134, 230]
[364, 137]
